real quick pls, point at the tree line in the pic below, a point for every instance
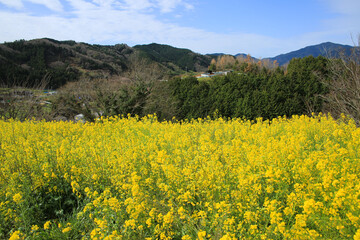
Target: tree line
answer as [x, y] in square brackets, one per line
[254, 91]
[307, 85]
[250, 92]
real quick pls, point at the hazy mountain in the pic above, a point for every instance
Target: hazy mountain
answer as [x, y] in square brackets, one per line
[215, 55]
[326, 49]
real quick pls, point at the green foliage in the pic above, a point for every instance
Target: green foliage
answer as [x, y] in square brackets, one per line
[184, 58]
[161, 101]
[305, 74]
[251, 92]
[42, 206]
[212, 67]
[256, 93]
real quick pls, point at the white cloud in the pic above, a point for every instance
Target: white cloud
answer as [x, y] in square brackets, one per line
[104, 2]
[347, 7]
[54, 5]
[12, 3]
[164, 6]
[99, 24]
[136, 5]
[346, 21]
[81, 5]
[135, 22]
[169, 5]
[95, 25]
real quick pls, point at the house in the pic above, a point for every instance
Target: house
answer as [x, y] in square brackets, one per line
[212, 74]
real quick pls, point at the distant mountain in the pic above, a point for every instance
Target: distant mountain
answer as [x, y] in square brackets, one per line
[326, 49]
[170, 56]
[215, 55]
[243, 55]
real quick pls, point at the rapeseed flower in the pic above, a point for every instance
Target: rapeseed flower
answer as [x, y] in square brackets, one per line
[17, 198]
[131, 178]
[47, 225]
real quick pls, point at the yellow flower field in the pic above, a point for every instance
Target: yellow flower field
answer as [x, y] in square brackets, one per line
[129, 178]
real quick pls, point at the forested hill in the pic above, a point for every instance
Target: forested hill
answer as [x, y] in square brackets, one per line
[31, 62]
[170, 56]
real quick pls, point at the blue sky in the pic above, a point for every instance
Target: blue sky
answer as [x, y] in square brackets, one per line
[262, 28]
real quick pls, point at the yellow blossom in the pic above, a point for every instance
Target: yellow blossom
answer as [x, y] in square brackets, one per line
[357, 235]
[201, 235]
[186, 237]
[47, 225]
[288, 178]
[34, 228]
[67, 229]
[17, 198]
[15, 235]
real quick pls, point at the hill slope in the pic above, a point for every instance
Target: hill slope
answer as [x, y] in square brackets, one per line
[57, 62]
[170, 56]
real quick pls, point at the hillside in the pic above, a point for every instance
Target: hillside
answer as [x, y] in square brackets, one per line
[30, 63]
[57, 62]
[171, 57]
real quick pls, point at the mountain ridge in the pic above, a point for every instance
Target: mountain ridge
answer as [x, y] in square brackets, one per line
[64, 61]
[325, 49]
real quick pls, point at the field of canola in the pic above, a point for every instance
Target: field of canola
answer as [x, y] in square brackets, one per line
[125, 178]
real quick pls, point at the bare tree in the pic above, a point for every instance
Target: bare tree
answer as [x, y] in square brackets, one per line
[21, 102]
[344, 85]
[110, 96]
[142, 70]
[161, 101]
[146, 77]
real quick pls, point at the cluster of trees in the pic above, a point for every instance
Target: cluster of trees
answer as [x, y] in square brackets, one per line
[171, 57]
[257, 93]
[241, 62]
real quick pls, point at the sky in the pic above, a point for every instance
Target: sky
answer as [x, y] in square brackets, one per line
[261, 28]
